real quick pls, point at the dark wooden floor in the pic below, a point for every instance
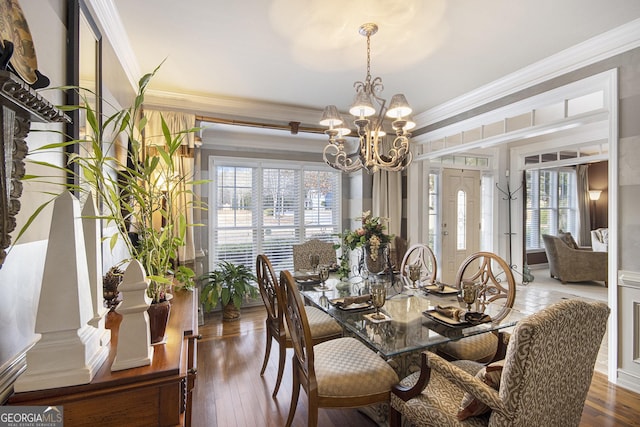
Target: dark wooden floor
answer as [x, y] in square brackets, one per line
[230, 391]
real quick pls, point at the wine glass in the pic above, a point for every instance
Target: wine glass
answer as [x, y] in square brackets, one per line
[469, 293]
[314, 260]
[323, 275]
[378, 298]
[414, 274]
[324, 301]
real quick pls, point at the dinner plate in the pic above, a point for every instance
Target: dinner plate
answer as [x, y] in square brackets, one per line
[447, 290]
[13, 27]
[307, 279]
[355, 306]
[444, 320]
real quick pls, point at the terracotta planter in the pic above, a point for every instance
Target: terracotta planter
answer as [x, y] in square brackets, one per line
[158, 318]
[230, 313]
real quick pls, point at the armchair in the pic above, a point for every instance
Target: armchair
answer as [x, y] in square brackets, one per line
[600, 240]
[544, 380]
[574, 265]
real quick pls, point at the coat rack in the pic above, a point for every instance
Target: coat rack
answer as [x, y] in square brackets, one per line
[509, 197]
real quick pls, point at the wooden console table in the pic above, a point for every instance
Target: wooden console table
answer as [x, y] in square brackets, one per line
[155, 395]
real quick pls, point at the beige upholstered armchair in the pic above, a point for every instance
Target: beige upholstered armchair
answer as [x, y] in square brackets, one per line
[543, 380]
[600, 240]
[574, 265]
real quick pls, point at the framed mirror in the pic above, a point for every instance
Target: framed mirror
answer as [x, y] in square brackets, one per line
[84, 71]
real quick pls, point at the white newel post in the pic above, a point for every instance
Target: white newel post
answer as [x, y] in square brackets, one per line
[69, 351]
[134, 339]
[93, 246]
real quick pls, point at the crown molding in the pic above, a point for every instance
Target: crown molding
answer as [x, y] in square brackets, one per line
[606, 45]
[233, 107]
[106, 15]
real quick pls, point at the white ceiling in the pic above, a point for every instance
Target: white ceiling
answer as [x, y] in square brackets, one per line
[308, 53]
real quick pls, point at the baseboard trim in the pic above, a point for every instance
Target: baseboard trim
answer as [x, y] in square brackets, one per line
[628, 381]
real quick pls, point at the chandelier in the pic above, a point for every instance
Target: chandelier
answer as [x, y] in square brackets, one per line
[373, 153]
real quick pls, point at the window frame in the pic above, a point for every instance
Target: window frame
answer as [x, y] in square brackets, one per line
[553, 207]
[259, 165]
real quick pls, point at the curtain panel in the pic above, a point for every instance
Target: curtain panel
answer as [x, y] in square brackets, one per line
[184, 161]
[582, 172]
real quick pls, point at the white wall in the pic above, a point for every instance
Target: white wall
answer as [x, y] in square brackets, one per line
[21, 275]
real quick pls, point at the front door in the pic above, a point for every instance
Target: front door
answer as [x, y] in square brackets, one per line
[460, 219]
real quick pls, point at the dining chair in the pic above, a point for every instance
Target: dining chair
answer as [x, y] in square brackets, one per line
[543, 380]
[423, 256]
[496, 286]
[323, 327]
[340, 373]
[301, 252]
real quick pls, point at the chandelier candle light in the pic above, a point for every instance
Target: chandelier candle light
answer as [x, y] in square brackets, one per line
[369, 126]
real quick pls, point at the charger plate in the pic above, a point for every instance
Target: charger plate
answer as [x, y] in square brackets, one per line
[14, 28]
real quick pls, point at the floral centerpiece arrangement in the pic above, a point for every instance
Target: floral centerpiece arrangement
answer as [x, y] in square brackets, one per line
[371, 237]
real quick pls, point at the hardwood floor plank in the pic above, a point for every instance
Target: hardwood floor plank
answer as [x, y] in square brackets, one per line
[231, 393]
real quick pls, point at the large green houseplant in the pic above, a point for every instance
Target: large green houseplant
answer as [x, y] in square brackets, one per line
[228, 285]
[137, 195]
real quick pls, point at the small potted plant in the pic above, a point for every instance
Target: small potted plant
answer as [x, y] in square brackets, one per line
[228, 285]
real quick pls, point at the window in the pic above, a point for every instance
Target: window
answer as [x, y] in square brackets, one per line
[551, 204]
[434, 194]
[266, 207]
[461, 243]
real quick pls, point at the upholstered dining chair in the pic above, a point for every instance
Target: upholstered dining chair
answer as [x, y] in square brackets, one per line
[323, 327]
[324, 250]
[340, 373]
[543, 380]
[423, 256]
[496, 287]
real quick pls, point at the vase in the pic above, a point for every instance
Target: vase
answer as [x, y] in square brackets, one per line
[230, 312]
[158, 318]
[343, 285]
[377, 263]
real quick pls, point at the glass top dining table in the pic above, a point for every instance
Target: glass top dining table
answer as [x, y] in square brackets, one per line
[408, 326]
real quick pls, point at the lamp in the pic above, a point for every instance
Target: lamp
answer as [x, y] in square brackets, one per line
[594, 195]
[369, 122]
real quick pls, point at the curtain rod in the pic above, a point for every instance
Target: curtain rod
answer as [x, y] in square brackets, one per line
[293, 127]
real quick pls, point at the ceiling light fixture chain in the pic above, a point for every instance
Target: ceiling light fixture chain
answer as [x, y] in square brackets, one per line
[370, 132]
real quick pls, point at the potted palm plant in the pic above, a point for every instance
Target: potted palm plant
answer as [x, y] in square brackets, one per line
[138, 195]
[228, 285]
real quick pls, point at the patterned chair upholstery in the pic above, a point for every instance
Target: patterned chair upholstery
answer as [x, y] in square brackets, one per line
[323, 327]
[571, 264]
[498, 288]
[545, 377]
[340, 373]
[422, 255]
[302, 251]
